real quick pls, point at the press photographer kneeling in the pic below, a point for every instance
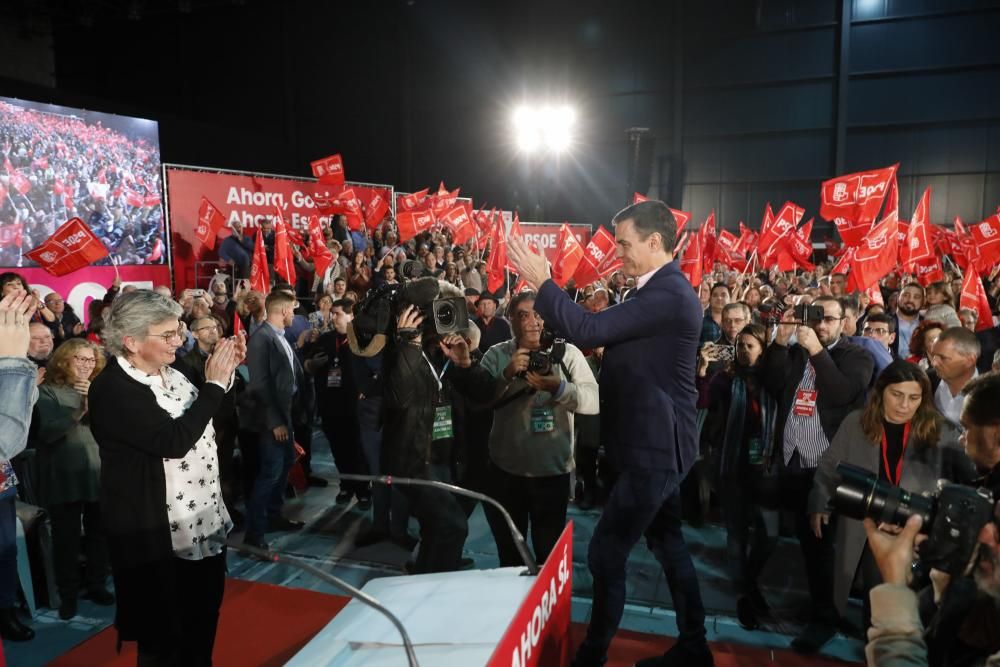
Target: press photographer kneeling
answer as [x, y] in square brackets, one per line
[955, 621]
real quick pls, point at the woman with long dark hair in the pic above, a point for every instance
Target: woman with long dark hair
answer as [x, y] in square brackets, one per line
[900, 436]
[739, 430]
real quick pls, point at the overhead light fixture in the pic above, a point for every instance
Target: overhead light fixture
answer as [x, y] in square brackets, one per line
[548, 127]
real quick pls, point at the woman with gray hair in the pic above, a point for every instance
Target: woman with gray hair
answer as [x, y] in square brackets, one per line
[160, 494]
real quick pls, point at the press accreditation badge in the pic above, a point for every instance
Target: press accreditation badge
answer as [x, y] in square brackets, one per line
[805, 403]
[442, 423]
[334, 377]
[543, 419]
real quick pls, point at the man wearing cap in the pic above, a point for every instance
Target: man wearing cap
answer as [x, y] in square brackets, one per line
[493, 329]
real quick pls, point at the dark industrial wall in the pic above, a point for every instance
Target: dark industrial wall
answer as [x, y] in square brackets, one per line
[778, 95]
[745, 101]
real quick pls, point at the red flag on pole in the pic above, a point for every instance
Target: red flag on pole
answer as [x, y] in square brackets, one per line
[444, 200]
[457, 220]
[496, 263]
[260, 276]
[853, 201]
[11, 235]
[706, 236]
[598, 259]
[986, 235]
[877, 254]
[691, 261]
[682, 218]
[329, 170]
[210, 221]
[568, 258]
[783, 224]
[412, 201]
[321, 255]
[917, 246]
[637, 197]
[284, 260]
[411, 223]
[72, 246]
[974, 298]
[375, 210]
[929, 270]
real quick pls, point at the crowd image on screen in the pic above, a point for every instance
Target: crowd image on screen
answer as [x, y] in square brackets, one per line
[57, 166]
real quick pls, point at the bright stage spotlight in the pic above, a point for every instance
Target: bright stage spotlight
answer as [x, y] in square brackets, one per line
[546, 127]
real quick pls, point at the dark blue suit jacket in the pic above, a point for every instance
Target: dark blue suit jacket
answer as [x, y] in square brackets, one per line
[648, 395]
[272, 385]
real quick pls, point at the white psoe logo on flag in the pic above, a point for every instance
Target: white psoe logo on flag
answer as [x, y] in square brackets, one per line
[986, 229]
[73, 239]
[914, 243]
[877, 242]
[48, 256]
[840, 192]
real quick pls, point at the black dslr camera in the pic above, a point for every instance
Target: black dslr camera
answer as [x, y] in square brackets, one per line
[552, 350]
[809, 314]
[952, 517]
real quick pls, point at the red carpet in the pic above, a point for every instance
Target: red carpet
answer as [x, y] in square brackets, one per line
[263, 624]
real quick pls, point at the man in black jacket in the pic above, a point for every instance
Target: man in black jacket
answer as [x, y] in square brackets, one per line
[418, 436]
[817, 382]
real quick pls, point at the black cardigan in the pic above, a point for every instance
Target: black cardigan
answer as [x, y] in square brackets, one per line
[135, 435]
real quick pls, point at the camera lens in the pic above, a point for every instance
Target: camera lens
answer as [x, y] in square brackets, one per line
[445, 315]
[860, 494]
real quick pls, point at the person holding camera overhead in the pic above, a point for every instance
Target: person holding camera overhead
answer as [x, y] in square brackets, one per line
[901, 437]
[535, 385]
[816, 382]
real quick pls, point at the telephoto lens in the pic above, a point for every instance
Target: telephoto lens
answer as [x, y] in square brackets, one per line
[861, 495]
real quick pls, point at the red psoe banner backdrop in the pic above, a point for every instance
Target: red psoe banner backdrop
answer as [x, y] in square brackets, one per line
[539, 633]
[242, 196]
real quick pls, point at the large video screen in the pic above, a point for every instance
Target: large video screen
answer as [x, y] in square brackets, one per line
[59, 163]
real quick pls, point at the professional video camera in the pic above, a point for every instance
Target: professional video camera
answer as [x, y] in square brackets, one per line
[442, 304]
[952, 518]
[551, 351]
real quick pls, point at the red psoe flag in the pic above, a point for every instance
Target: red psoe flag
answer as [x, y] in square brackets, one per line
[706, 235]
[691, 261]
[410, 202]
[411, 223]
[682, 218]
[375, 210]
[783, 224]
[321, 255]
[877, 254]
[569, 257]
[444, 200]
[598, 259]
[260, 276]
[11, 236]
[72, 246]
[329, 170]
[986, 234]
[929, 270]
[974, 298]
[918, 247]
[853, 201]
[638, 197]
[210, 221]
[496, 263]
[284, 261]
[458, 221]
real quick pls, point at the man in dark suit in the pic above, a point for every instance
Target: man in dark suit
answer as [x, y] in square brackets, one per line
[275, 378]
[648, 421]
[817, 382]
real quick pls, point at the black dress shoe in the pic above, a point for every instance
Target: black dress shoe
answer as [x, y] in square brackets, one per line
[746, 614]
[100, 596]
[67, 608]
[282, 524]
[313, 480]
[11, 627]
[813, 637]
[682, 655]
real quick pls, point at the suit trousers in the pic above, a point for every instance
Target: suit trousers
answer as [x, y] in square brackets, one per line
[640, 503]
[795, 484]
[276, 459]
[66, 542]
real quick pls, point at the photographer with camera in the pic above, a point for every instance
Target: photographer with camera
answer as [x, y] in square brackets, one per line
[954, 621]
[817, 382]
[418, 435]
[902, 438]
[716, 355]
[536, 383]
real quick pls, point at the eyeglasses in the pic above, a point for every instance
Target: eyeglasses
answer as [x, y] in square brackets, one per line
[875, 331]
[167, 336]
[86, 361]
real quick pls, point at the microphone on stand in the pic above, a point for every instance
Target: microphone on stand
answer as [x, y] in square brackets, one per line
[278, 557]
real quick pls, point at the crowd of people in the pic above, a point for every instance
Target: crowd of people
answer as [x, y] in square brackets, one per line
[664, 402]
[57, 167]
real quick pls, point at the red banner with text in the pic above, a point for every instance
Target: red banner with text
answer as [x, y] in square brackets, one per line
[247, 198]
[539, 633]
[91, 282]
[545, 236]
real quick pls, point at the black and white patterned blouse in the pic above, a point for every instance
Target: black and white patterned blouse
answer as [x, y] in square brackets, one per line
[194, 504]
